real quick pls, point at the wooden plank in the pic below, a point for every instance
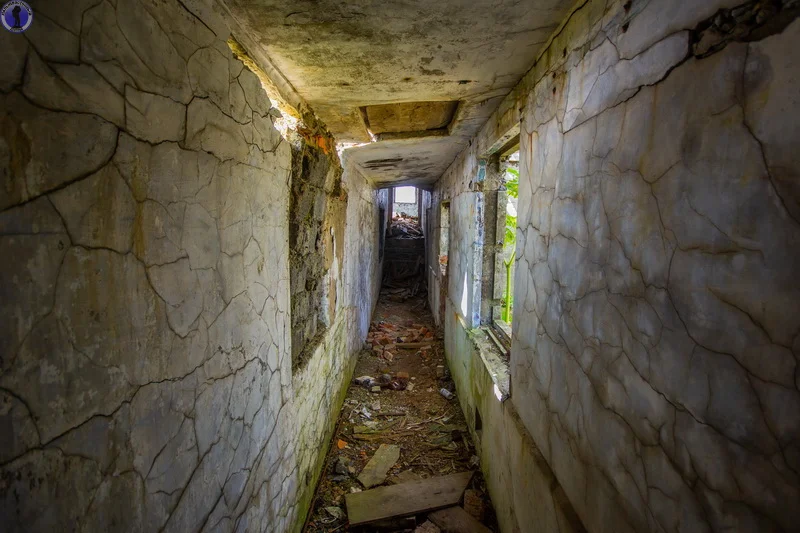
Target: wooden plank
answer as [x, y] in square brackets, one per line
[406, 499]
[456, 520]
[374, 472]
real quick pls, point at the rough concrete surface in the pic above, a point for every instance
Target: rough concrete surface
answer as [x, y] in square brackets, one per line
[340, 56]
[159, 234]
[655, 331]
[145, 360]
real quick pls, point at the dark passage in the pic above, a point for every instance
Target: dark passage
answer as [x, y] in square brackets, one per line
[401, 440]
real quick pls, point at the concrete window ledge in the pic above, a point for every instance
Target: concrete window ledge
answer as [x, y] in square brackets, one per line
[496, 365]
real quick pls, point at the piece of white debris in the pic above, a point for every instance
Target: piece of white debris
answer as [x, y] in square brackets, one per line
[335, 512]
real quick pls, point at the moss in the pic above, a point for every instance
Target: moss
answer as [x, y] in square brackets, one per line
[335, 346]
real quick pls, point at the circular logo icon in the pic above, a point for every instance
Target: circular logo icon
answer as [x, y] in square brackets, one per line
[17, 16]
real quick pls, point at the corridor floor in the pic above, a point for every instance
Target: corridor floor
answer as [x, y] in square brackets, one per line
[430, 429]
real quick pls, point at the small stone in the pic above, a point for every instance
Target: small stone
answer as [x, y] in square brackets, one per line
[365, 381]
[410, 387]
[342, 465]
[335, 512]
[376, 406]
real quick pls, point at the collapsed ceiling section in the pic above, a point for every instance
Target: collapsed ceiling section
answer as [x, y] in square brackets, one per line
[413, 80]
[409, 117]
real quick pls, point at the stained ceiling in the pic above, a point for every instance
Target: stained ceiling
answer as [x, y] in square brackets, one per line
[413, 80]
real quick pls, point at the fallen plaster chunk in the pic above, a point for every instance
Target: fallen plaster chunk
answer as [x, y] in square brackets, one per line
[377, 467]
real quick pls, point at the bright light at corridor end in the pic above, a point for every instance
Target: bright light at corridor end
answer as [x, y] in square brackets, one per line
[405, 195]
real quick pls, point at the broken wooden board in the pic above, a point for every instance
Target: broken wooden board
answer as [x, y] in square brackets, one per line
[406, 499]
[374, 472]
[456, 520]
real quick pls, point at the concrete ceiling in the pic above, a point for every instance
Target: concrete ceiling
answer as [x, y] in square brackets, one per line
[343, 56]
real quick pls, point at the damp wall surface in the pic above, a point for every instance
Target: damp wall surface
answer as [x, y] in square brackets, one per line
[146, 378]
[654, 360]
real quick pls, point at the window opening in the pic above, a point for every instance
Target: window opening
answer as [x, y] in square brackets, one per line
[444, 236]
[507, 209]
[405, 202]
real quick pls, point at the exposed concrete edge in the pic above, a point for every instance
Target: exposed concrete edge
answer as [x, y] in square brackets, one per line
[501, 142]
[274, 92]
[283, 85]
[495, 365]
[280, 90]
[402, 135]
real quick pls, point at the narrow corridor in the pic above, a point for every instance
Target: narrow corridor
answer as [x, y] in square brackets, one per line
[401, 421]
[274, 265]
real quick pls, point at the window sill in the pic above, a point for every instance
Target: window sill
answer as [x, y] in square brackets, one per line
[494, 362]
[503, 331]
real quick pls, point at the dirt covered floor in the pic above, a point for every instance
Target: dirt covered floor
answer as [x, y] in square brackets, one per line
[402, 405]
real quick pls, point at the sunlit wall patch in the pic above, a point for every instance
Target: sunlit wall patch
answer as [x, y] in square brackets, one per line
[17, 16]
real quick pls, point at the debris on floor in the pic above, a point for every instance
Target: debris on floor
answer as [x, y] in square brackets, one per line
[473, 504]
[404, 261]
[406, 499]
[402, 434]
[377, 467]
[404, 227]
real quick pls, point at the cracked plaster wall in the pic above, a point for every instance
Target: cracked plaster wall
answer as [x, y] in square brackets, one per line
[145, 358]
[656, 330]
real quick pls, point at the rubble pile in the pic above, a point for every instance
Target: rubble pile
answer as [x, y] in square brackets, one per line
[404, 262]
[384, 339]
[404, 227]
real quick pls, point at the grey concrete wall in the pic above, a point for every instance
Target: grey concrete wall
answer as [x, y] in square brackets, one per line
[411, 210]
[655, 344]
[145, 356]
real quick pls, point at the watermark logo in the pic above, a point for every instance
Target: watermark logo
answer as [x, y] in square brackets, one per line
[17, 16]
